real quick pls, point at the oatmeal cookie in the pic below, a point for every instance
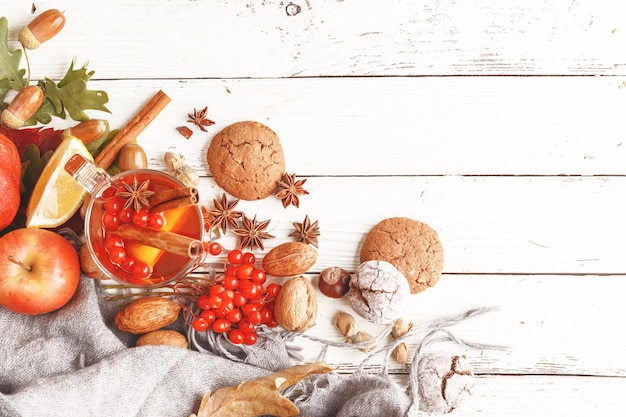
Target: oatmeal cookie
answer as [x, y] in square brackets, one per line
[409, 245]
[246, 159]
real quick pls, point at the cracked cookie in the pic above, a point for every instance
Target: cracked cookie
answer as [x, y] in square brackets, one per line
[409, 245]
[378, 292]
[246, 159]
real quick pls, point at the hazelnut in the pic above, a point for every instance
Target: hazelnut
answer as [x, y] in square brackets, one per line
[401, 354]
[366, 341]
[401, 327]
[346, 323]
[334, 282]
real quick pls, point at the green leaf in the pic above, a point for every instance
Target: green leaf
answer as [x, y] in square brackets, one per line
[70, 96]
[10, 61]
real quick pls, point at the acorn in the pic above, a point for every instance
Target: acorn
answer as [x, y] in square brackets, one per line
[42, 28]
[22, 107]
[87, 131]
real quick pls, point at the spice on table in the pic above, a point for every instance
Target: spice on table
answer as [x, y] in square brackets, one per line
[252, 233]
[167, 241]
[185, 131]
[224, 213]
[290, 189]
[306, 231]
[199, 119]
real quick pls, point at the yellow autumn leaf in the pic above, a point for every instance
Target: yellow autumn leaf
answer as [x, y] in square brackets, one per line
[260, 396]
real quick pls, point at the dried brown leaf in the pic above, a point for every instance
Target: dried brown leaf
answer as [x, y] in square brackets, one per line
[260, 396]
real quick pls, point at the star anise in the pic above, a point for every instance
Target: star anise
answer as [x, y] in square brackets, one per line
[224, 213]
[290, 189]
[306, 231]
[252, 233]
[199, 119]
[136, 195]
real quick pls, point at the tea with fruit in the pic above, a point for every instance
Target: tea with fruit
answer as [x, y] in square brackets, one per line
[137, 238]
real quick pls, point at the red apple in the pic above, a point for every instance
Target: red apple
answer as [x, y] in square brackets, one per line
[39, 271]
[10, 174]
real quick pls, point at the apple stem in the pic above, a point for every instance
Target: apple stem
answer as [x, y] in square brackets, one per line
[20, 263]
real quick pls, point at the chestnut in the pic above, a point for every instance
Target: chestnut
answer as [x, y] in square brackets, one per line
[334, 282]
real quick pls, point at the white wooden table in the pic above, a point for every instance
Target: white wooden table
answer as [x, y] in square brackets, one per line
[498, 123]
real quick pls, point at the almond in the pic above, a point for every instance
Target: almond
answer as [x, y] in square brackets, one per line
[289, 259]
[295, 308]
[147, 314]
[163, 337]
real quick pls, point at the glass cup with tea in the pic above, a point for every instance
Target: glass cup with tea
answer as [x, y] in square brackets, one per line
[142, 227]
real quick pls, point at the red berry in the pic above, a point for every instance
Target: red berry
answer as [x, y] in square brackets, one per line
[272, 290]
[245, 326]
[230, 282]
[117, 255]
[248, 258]
[266, 315]
[213, 301]
[141, 270]
[255, 317]
[258, 276]
[114, 204]
[244, 271]
[126, 216]
[221, 326]
[208, 315]
[156, 220]
[200, 324]
[110, 220]
[113, 241]
[236, 336]
[235, 256]
[140, 218]
[215, 248]
[203, 302]
[216, 290]
[234, 315]
[250, 338]
[239, 299]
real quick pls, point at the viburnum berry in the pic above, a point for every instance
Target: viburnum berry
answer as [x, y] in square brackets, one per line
[236, 336]
[215, 248]
[272, 290]
[221, 326]
[200, 324]
[250, 338]
[235, 256]
[248, 258]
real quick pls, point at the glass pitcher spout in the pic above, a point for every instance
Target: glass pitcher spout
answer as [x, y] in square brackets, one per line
[86, 173]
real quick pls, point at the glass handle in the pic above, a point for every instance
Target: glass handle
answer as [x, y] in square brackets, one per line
[86, 173]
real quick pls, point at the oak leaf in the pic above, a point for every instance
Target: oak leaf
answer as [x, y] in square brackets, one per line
[260, 396]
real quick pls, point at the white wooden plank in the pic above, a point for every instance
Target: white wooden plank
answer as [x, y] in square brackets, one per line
[399, 126]
[556, 325]
[546, 396]
[189, 39]
[486, 224]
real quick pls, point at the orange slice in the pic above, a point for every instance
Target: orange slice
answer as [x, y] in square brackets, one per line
[56, 195]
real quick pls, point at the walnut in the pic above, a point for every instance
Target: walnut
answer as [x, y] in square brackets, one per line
[444, 383]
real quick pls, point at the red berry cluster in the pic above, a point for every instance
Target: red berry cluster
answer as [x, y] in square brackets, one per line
[114, 215]
[239, 302]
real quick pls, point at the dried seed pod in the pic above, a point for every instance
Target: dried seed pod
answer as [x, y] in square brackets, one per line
[401, 327]
[132, 156]
[401, 353]
[346, 323]
[42, 28]
[87, 131]
[180, 170]
[366, 339]
[22, 107]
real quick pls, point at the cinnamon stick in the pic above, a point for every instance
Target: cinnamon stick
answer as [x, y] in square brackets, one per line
[168, 241]
[129, 133]
[173, 194]
[175, 204]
